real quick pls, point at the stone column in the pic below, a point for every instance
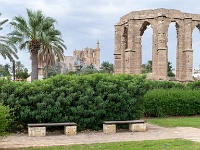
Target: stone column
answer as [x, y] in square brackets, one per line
[130, 56]
[155, 52]
[188, 52]
[179, 51]
[124, 42]
[123, 48]
[162, 58]
[117, 54]
[134, 50]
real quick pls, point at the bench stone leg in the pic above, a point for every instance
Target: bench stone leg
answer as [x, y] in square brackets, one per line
[36, 131]
[137, 127]
[70, 130]
[111, 128]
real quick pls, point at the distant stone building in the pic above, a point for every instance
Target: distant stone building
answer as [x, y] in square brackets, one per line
[68, 64]
[88, 56]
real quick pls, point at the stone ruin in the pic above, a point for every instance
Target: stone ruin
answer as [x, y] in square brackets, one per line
[128, 48]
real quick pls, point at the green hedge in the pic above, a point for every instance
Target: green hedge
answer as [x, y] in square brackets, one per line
[4, 119]
[87, 100]
[152, 84]
[172, 102]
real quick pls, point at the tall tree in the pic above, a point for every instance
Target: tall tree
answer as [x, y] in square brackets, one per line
[52, 48]
[28, 33]
[4, 70]
[18, 66]
[7, 49]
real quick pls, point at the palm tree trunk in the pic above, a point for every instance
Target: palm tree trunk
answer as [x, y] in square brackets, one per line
[34, 57]
[13, 70]
[47, 67]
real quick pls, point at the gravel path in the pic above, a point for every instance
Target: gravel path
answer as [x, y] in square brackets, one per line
[153, 133]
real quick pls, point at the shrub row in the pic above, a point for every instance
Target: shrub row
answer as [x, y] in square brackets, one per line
[87, 100]
[171, 102]
[4, 119]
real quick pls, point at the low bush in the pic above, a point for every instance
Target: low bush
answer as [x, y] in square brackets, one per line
[172, 102]
[4, 119]
[152, 84]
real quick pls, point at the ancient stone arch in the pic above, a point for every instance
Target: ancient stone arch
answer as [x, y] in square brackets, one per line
[128, 34]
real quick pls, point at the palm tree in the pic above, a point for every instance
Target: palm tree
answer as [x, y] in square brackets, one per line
[7, 49]
[107, 67]
[52, 48]
[18, 66]
[28, 35]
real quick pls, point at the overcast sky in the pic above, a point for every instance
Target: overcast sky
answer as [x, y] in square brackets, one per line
[83, 22]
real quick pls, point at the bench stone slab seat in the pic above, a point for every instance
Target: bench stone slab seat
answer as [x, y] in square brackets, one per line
[39, 129]
[134, 125]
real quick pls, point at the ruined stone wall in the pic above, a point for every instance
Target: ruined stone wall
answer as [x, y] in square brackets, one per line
[128, 34]
[88, 56]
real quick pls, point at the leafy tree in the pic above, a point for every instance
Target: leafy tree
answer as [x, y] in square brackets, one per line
[53, 70]
[19, 66]
[22, 75]
[28, 34]
[88, 70]
[7, 49]
[169, 71]
[147, 68]
[107, 67]
[4, 70]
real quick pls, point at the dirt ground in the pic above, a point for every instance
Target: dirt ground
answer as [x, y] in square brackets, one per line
[153, 133]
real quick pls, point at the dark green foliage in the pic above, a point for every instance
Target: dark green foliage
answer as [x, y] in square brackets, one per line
[22, 75]
[151, 84]
[194, 85]
[87, 100]
[107, 67]
[147, 68]
[172, 102]
[4, 119]
[4, 70]
[169, 70]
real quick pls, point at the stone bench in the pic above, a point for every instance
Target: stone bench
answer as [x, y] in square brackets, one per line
[134, 125]
[39, 129]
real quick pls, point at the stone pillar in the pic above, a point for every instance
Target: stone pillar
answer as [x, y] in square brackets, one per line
[124, 42]
[130, 56]
[188, 52]
[155, 52]
[134, 52]
[162, 59]
[179, 51]
[117, 54]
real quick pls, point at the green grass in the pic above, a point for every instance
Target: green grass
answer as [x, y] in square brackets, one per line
[176, 122]
[170, 144]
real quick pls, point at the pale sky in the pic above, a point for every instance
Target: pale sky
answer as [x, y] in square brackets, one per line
[83, 22]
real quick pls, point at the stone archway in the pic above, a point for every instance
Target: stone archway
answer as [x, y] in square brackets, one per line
[128, 33]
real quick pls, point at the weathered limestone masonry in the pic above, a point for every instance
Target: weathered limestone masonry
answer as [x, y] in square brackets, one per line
[128, 34]
[88, 56]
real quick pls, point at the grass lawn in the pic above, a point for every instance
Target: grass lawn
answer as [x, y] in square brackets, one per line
[176, 122]
[171, 144]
